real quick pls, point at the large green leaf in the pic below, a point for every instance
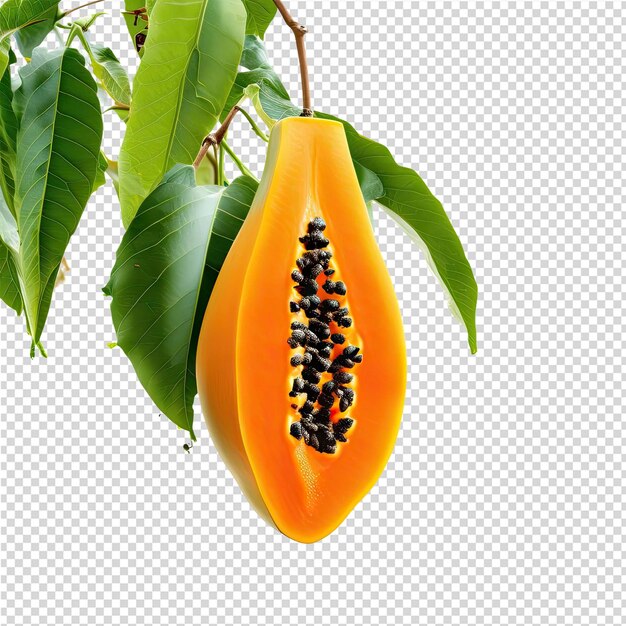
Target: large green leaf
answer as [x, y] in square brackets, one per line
[260, 15]
[165, 269]
[29, 37]
[58, 147]
[16, 14]
[8, 134]
[409, 201]
[187, 70]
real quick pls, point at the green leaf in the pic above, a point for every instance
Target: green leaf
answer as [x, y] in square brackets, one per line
[112, 74]
[254, 54]
[408, 200]
[165, 269]
[183, 81]
[270, 91]
[9, 283]
[16, 14]
[58, 147]
[106, 67]
[85, 23]
[260, 15]
[100, 178]
[371, 185]
[29, 37]
[8, 134]
[207, 173]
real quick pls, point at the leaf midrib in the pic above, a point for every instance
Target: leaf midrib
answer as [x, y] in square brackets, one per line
[43, 198]
[181, 84]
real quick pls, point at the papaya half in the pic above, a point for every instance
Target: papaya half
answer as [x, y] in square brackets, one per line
[301, 364]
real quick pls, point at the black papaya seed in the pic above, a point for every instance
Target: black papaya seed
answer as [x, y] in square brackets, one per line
[296, 430]
[326, 400]
[317, 223]
[329, 286]
[343, 378]
[299, 336]
[350, 351]
[310, 426]
[323, 415]
[343, 425]
[321, 364]
[315, 271]
[339, 313]
[307, 407]
[330, 304]
[311, 375]
[340, 288]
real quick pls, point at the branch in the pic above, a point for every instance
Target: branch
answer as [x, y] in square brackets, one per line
[82, 6]
[214, 139]
[299, 31]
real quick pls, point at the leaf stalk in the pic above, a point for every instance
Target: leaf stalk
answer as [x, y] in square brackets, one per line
[215, 139]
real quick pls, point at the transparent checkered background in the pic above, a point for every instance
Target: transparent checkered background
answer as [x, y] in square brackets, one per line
[503, 502]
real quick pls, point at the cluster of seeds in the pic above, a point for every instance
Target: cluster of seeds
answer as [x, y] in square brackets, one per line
[320, 341]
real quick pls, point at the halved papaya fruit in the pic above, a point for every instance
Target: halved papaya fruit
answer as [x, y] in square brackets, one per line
[301, 363]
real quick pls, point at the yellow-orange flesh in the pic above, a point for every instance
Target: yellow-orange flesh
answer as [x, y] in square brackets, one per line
[244, 371]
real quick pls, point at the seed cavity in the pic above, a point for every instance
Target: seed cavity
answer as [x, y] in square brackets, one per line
[318, 334]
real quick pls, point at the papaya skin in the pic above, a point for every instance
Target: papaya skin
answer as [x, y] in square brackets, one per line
[243, 369]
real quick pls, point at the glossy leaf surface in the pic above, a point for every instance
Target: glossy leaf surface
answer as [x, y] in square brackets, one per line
[185, 76]
[165, 269]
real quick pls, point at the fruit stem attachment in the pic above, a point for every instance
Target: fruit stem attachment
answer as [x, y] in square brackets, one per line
[214, 139]
[299, 31]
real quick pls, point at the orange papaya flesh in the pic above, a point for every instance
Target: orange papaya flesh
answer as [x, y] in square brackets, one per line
[306, 452]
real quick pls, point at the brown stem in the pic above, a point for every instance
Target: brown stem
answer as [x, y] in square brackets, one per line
[299, 31]
[82, 6]
[214, 139]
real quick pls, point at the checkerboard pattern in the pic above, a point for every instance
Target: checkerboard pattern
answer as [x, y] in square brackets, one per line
[503, 503]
